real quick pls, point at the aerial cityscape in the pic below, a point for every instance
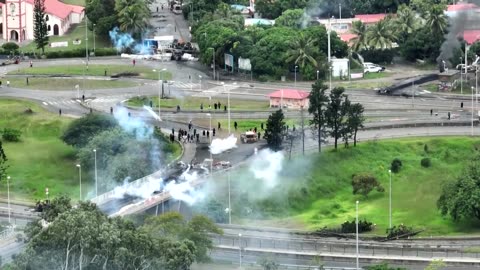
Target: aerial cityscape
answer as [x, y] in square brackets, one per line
[239, 134]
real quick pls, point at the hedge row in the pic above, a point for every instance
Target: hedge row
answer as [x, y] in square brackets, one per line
[80, 53]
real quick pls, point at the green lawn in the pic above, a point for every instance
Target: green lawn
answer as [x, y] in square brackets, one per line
[41, 159]
[42, 83]
[93, 70]
[75, 32]
[193, 103]
[358, 84]
[376, 75]
[316, 191]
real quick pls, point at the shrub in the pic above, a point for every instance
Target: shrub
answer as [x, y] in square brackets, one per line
[363, 226]
[105, 51]
[396, 165]
[425, 162]
[11, 135]
[10, 47]
[363, 183]
[425, 148]
[400, 231]
[378, 56]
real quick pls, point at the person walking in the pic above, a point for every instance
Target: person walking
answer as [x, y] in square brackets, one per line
[60, 112]
[31, 63]
[219, 126]
[235, 125]
[431, 112]
[111, 110]
[133, 61]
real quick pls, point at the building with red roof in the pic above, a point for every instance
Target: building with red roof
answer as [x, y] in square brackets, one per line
[289, 98]
[343, 26]
[370, 18]
[17, 18]
[471, 36]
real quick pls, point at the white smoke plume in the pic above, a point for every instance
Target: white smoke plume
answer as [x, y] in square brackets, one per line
[221, 145]
[124, 40]
[152, 113]
[133, 125]
[266, 166]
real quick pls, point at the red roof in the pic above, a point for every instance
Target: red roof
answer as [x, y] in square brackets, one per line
[59, 9]
[289, 93]
[462, 7]
[370, 18]
[347, 37]
[470, 36]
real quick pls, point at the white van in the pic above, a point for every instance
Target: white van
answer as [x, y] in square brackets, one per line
[371, 67]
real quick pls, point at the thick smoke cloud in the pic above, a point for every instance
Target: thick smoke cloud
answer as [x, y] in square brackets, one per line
[221, 145]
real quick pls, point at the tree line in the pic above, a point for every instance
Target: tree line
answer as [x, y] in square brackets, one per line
[333, 115]
[83, 237]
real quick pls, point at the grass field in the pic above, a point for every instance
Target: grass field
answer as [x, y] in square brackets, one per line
[41, 159]
[376, 75]
[354, 85]
[75, 32]
[74, 2]
[93, 70]
[316, 191]
[193, 103]
[42, 83]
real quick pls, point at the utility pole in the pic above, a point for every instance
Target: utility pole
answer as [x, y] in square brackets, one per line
[86, 40]
[303, 131]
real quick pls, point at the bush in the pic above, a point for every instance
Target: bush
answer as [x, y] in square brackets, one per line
[105, 51]
[400, 231]
[81, 130]
[11, 135]
[378, 56]
[363, 183]
[425, 148]
[10, 47]
[425, 162]
[363, 226]
[66, 54]
[396, 165]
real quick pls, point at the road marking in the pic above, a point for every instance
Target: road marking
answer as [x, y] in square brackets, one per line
[45, 103]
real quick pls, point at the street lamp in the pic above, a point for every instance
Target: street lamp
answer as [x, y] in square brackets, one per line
[240, 248]
[330, 68]
[229, 200]
[356, 230]
[200, 78]
[80, 177]
[94, 51]
[228, 104]
[8, 198]
[390, 200]
[318, 72]
[473, 109]
[210, 139]
[159, 89]
[96, 178]
[296, 75]
[86, 40]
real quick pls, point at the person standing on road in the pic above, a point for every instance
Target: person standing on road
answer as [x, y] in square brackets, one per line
[431, 112]
[219, 126]
[133, 61]
[31, 63]
[235, 125]
[111, 110]
[59, 112]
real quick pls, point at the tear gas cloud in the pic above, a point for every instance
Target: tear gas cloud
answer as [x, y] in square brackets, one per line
[152, 113]
[122, 40]
[221, 145]
[266, 166]
[133, 125]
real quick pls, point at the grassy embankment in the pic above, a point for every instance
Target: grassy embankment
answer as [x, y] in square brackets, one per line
[322, 193]
[41, 159]
[93, 70]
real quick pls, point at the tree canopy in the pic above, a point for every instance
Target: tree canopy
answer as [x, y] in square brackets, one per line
[81, 130]
[274, 130]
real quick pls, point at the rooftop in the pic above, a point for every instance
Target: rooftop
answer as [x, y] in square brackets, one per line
[347, 37]
[462, 7]
[370, 18]
[289, 94]
[59, 9]
[470, 36]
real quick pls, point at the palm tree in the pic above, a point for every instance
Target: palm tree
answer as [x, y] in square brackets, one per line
[301, 51]
[405, 22]
[360, 41]
[133, 19]
[381, 35]
[436, 20]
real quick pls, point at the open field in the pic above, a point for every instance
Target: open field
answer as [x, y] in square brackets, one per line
[93, 70]
[75, 32]
[358, 84]
[376, 75]
[43, 83]
[193, 103]
[41, 159]
[316, 191]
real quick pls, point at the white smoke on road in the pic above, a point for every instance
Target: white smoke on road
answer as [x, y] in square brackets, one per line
[266, 166]
[221, 145]
[152, 113]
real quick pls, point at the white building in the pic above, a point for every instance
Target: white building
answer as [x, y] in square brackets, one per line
[17, 18]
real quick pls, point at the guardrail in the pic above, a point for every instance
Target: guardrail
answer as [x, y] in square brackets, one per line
[9, 231]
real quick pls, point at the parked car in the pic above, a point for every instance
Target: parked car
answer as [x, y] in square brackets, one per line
[371, 67]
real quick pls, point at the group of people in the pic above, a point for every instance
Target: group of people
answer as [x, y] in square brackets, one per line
[191, 135]
[216, 106]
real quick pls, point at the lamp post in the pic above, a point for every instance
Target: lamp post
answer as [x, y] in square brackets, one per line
[240, 248]
[296, 75]
[390, 201]
[94, 51]
[330, 84]
[318, 72]
[86, 40]
[159, 89]
[8, 198]
[229, 200]
[210, 139]
[200, 78]
[80, 177]
[356, 230]
[96, 178]
[340, 10]
[473, 109]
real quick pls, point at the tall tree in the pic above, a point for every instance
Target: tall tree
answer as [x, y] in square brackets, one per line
[347, 130]
[360, 41]
[3, 163]
[133, 16]
[404, 23]
[436, 20]
[355, 120]
[318, 101]
[40, 31]
[459, 199]
[301, 51]
[381, 35]
[335, 113]
[274, 130]
[292, 18]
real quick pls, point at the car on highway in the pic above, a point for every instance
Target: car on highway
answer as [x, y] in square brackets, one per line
[371, 67]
